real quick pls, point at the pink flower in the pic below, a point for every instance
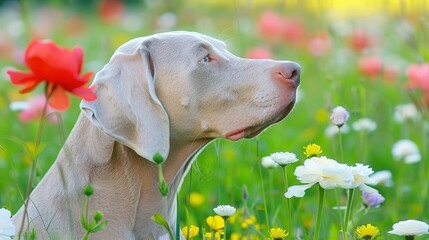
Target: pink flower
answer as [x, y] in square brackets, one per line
[293, 31]
[32, 109]
[259, 53]
[319, 45]
[370, 66]
[270, 26]
[359, 40]
[418, 77]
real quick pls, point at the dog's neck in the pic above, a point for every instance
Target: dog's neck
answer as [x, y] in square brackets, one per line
[124, 178]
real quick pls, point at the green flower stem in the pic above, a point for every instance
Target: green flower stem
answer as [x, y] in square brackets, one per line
[34, 162]
[409, 237]
[340, 140]
[262, 186]
[288, 207]
[224, 228]
[319, 212]
[348, 212]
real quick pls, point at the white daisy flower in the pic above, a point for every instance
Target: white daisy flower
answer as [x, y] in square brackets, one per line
[364, 124]
[407, 150]
[406, 112]
[326, 172]
[410, 228]
[284, 158]
[224, 210]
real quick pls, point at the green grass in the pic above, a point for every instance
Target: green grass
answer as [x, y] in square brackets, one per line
[230, 172]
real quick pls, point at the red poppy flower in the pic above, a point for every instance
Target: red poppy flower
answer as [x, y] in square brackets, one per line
[360, 40]
[418, 77]
[370, 66]
[59, 67]
[270, 26]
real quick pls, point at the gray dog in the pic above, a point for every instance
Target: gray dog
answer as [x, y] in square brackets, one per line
[169, 93]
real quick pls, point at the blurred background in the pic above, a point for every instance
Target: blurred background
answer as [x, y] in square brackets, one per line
[367, 56]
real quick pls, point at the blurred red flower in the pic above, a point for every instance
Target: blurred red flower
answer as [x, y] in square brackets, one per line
[111, 11]
[370, 66]
[33, 108]
[259, 53]
[59, 67]
[293, 31]
[270, 26]
[319, 45]
[359, 40]
[418, 77]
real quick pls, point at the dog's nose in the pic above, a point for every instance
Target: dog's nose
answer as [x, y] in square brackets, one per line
[288, 71]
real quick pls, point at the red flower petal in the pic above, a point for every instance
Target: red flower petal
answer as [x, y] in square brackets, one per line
[78, 54]
[54, 64]
[59, 99]
[85, 93]
[20, 78]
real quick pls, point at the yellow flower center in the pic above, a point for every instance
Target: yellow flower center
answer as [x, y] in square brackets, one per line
[367, 231]
[278, 233]
[312, 150]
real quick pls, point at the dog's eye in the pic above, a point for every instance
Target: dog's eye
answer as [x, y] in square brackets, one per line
[206, 59]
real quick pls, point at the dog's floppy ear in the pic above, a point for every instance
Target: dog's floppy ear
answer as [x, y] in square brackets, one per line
[127, 107]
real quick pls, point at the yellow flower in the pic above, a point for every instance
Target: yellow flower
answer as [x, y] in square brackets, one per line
[190, 232]
[367, 231]
[196, 199]
[312, 150]
[210, 236]
[278, 233]
[215, 223]
[248, 222]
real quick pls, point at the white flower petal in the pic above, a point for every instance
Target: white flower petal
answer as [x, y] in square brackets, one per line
[413, 158]
[407, 150]
[364, 124]
[267, 162]
[410, 228]
[284, 158]
[383, 177]
[224, 210]
[367, 189]
[406, 112]
[297, 190]
[7, 229]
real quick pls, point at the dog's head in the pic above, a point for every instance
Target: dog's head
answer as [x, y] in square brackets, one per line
[183, 86]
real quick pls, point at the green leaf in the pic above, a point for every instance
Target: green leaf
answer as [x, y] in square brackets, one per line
[160, 220]
[100, 226]
[84, 223]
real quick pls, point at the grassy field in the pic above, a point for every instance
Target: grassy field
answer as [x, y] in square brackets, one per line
[356, 55]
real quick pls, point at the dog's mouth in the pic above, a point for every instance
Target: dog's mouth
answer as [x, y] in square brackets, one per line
[253, 131]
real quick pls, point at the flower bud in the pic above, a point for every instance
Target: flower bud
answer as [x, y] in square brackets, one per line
[158, 158]
[163, 188]
[88, 190]
[98, 216]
